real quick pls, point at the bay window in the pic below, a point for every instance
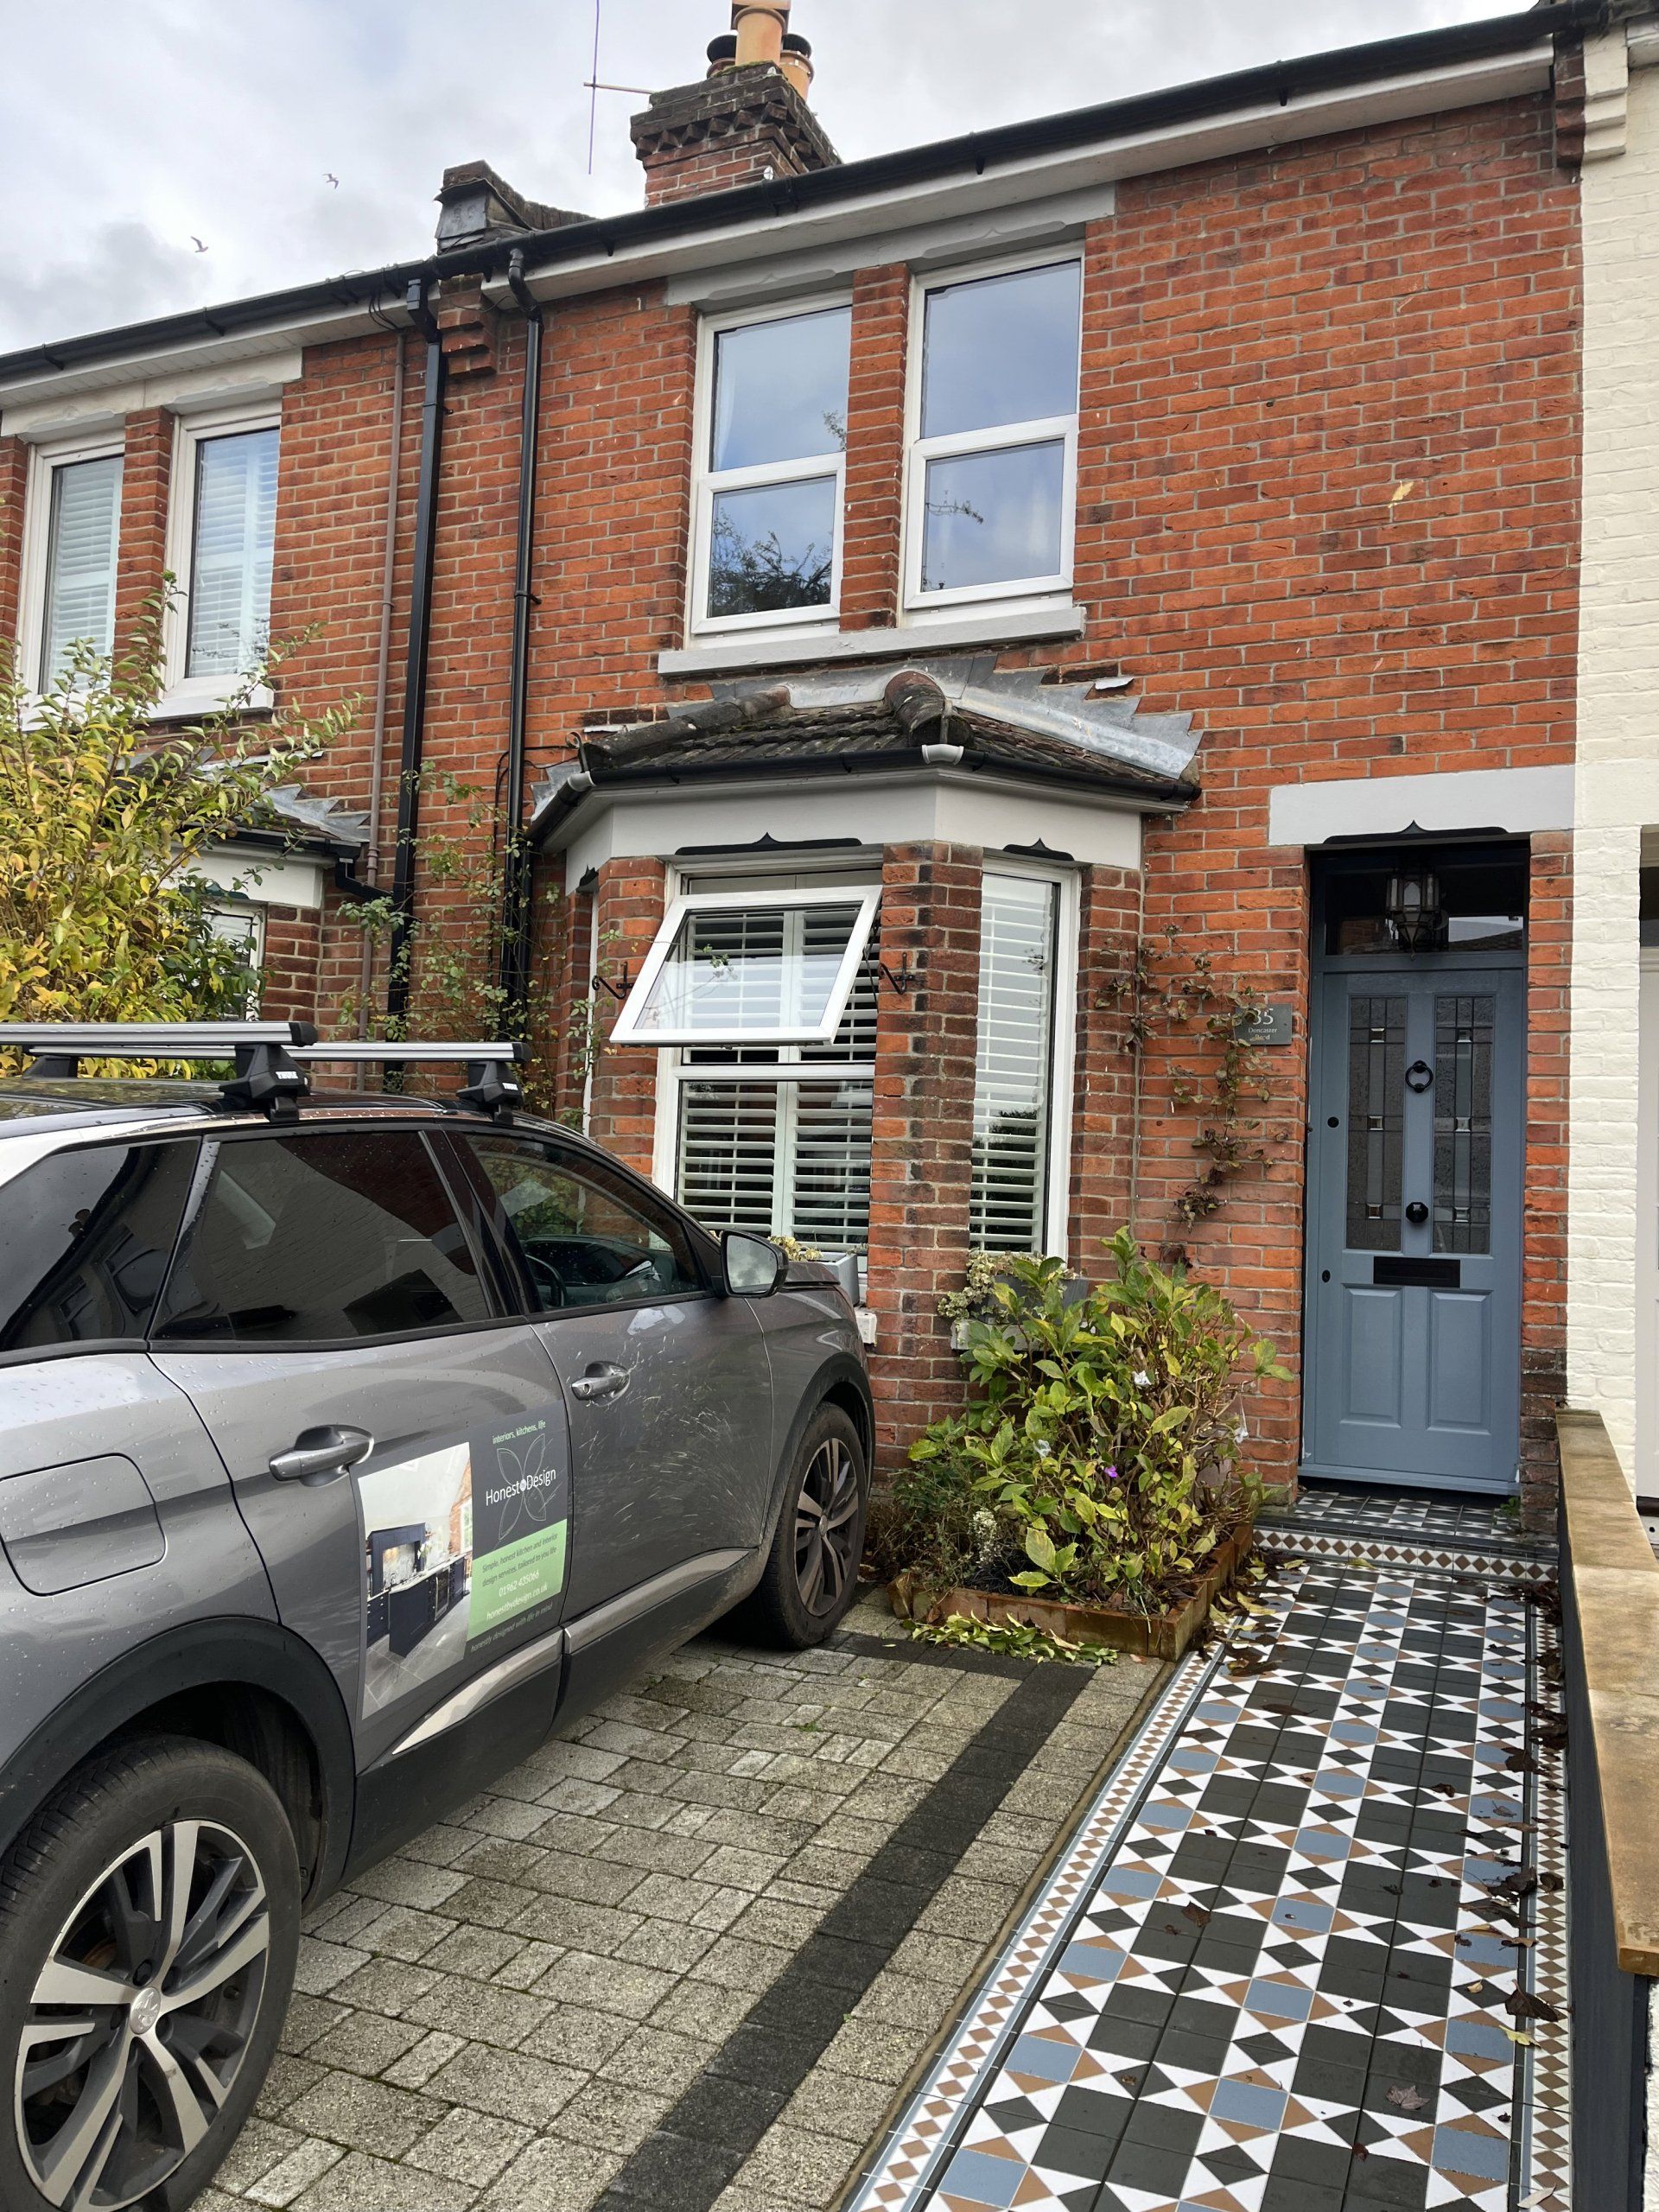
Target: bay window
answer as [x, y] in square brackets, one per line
[993, 455]
[772, 440]
[767, 1095]
[1018, 1194]
[70, 568]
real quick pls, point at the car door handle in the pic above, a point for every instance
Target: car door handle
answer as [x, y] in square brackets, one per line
[319, 1455]
[603, 1380]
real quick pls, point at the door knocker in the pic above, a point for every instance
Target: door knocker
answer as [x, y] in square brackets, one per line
[1419, 1076]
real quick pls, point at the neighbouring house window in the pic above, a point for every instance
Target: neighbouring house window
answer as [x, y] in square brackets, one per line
[993, 466]
[767, 1133]
[78, 576]
[244, 926]
[773, 442]
[1013, 1077]
[232, 535]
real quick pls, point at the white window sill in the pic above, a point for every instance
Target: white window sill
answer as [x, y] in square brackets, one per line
[1011, 626]
[202, 695]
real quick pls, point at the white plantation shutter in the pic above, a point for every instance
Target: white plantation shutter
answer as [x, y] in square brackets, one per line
[82, 546]
[231, 553]
[779, 1154]
[1012, 1077]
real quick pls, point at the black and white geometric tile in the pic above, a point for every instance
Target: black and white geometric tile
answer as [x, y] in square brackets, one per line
[1277, 1971]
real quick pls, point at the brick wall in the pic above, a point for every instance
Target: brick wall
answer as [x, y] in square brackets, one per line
[924, 1126]
[14, 479]
[628, 902]
[146, 477]
[1544, 1262]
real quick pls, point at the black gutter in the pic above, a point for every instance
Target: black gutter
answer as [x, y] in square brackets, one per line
[1159, 795]
[1272, 84]
[420, 640]
[518, 871]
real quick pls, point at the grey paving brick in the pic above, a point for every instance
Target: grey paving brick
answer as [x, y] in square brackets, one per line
[578, 2036]
[536, 1867]
[608, 1984]
[366, 2043]
[296, 2173]
[417, 2069]
[470, 2146]
[400, 1933]
[575, 1926]
[389, 1985]
[403, 1881]
[309, 2019]
[848, 2107]
[478, 1952]
[700, 2008]
[528, 1965]
[259, 2148]
[482, 2011]
[510, 2084]
[659, 2061]
[663, 1944]
[611, 2115]
[288, 2078]
[321, 1965]
[552, 2175]
[734, 1964]
[366, 2184]
[362, 2115]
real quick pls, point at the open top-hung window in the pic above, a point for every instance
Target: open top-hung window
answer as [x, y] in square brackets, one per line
[774, 457]
[994, 462]
[81, 543]
[759, 968]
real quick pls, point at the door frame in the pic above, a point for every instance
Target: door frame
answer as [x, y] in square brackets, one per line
[1323, 965]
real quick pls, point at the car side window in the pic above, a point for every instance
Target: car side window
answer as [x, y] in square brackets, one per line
[85, 1239]
[587, 1236]
[319, 1238]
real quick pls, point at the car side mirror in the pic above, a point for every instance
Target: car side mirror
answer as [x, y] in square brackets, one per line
[751, 1267]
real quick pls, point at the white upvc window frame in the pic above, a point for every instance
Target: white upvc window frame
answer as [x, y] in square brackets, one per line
[1060, 429]
[707, 482]
[45, 459]
[1062, 1042]
[202, 695]
[687, 905]
[673, 1071]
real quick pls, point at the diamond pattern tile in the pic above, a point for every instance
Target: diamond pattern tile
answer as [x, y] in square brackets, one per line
[1285, 1964]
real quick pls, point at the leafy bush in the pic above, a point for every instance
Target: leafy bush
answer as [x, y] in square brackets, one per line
[1099, 1461]
[101, 815]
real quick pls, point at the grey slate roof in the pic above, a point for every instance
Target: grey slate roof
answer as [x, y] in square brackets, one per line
[959, 713]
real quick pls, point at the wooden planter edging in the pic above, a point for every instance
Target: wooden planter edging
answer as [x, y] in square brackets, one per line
[1154, 1635]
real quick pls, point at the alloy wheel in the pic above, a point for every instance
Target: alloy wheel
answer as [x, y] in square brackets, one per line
[140, 2018]
[826, 1527]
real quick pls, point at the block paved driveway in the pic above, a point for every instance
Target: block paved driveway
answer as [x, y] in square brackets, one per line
[688, 1955]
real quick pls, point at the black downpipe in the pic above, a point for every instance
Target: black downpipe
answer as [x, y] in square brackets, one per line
[518, 879]
[420, 641]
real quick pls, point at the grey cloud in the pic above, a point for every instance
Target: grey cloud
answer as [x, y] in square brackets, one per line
[193, 116]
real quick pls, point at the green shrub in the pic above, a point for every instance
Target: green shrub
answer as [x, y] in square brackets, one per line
[1098, 1460]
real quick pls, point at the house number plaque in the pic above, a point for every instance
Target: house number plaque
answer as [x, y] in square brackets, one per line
[1268, 1027]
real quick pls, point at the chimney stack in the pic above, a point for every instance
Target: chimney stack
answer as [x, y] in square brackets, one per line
[748, 120]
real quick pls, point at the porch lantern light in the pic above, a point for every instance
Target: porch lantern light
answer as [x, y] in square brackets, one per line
[1414, 909]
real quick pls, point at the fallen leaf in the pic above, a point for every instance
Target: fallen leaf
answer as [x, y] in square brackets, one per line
[1515, 2037]
[1407, 2097]
[1403, 491]
[1198, 1913]
[1521, 2005]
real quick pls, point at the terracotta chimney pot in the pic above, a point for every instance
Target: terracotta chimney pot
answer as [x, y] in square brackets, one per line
[796, 63]
[759, 25]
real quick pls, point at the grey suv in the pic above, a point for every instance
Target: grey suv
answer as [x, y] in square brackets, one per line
[348, 1443]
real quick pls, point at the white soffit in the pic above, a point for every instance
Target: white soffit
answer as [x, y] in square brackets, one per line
[869, 811]
[1512, 799]
[260, 377]
[263, 879]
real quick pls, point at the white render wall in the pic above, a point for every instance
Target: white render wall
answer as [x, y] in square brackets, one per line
[1617, 785]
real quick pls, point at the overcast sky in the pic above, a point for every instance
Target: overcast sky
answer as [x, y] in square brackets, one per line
[132, 129]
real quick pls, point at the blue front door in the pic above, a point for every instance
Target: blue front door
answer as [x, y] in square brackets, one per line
[1417, 1102]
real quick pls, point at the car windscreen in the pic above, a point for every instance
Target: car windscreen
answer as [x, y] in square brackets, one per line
[86, 1235]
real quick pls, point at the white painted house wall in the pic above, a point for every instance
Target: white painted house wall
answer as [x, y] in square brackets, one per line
[1611, 1253]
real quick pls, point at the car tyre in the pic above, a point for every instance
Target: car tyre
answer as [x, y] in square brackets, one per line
[811, 1576]
[149, 1920]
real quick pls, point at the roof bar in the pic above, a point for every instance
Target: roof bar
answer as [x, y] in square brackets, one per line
[266, 1080]
[491, 1087]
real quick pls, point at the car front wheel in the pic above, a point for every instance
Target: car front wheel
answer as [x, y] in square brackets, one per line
[811, 1572]
[149, 1926]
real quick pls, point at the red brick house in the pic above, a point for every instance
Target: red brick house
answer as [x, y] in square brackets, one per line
[889, 592]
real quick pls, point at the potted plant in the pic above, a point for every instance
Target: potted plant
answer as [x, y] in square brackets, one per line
[1093, 1487]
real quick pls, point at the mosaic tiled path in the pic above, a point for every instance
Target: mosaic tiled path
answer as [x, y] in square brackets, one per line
[1302, 1953]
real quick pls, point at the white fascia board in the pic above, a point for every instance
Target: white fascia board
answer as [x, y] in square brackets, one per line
[714, 255]
[214, 356]
[871, 810]
[1516, 800]
[258, 379]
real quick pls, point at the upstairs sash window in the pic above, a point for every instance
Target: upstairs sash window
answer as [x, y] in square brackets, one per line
[993, 473]
[772, 465]
[82, 546]
[233, 529]
[759, 968]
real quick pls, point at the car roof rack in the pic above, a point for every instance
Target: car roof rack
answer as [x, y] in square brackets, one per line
[270, 1056]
